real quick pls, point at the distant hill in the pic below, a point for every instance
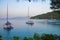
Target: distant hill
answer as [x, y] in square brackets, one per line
[49, 15]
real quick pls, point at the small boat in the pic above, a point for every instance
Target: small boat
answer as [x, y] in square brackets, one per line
[30, 22]
[8, 25]
[8, 28]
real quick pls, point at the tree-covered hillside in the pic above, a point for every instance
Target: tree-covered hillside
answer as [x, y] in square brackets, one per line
[49, 15]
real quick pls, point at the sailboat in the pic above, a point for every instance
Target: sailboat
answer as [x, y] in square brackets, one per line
[7, 24]
[29, 21]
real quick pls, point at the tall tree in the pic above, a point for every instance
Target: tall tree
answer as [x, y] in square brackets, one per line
[55, 4]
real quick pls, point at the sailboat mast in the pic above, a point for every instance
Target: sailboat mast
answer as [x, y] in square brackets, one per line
[7, 12]
[28, 8]
[28, 11]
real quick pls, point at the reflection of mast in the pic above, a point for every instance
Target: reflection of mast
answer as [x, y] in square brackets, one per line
[29, 21]
[7, 24]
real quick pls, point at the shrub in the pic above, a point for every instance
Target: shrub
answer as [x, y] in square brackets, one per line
[16, 37]
[25, 38]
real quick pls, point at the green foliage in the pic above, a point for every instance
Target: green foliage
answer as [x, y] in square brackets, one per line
[49, 15]
[55, 4]
[30, 38]
[16, 37]
[58, 37]
[36, 36]
[25, 38]
[0, 37]
[48, 37]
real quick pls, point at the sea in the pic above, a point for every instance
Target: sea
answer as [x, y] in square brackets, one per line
[21, 29]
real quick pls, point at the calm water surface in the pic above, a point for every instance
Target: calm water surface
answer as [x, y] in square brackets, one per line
[22, 29]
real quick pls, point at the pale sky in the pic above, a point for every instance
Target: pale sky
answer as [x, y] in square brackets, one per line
[20, 9]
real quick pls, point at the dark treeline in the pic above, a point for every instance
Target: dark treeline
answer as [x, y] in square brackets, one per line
[37, 36]
[43, 37]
